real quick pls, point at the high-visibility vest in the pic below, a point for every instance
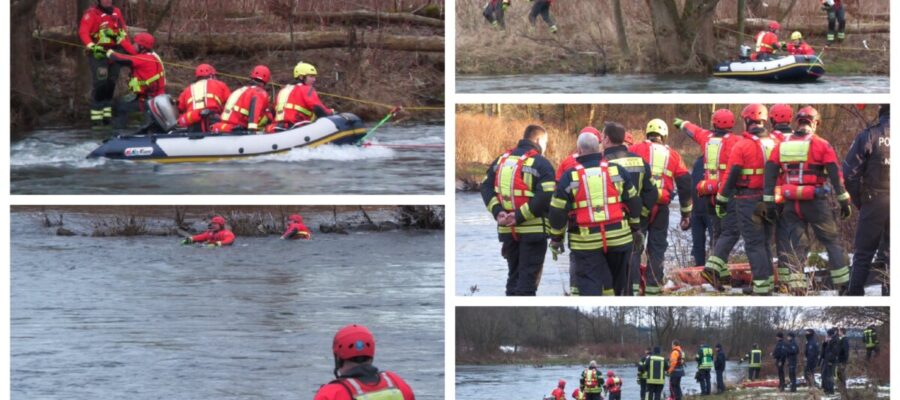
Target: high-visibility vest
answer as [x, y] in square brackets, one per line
[713, 157]
[388, 392]
[591, 384]
[282, 103]
[755, 358]
[794, 157]
[656, 374]
[231, 104]
[659, 170]
[706, 358]
[766, 145]
[200, 93]
[512, 185]
[597, 201]
[869, 338]
[137, 85]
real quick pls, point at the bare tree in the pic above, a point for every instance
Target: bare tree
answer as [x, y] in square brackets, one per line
[683, 40]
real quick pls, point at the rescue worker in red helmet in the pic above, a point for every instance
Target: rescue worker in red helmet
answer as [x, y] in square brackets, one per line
[798, 47]
[867, 170]
[716, 145]
[805, 162]
[516, 190]
[355, 376]
[836, 19]
[577, 394]
[744, 186]
[560, 392]
[217, 235]
[102, 28]
[613, 386]
[248, 107]
[148, 78]
[201, 103]
[299, 102]
[570, 161]
[607, 214]
[296, 229]
[615, 150]
[767, 43]
[668, 173]
[780, 118]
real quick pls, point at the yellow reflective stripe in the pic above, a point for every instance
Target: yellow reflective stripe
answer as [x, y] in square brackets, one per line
[493, 202]
[840, 276]
[584, 203]
[844, 196]
[768, 198]
[609, 292]
[645, 212]
[752, 171]
[231, 104]
[281, 100]
[687, 208]
[522, 229]
[721, 198]
[632, 192]
[526, 211]
[634, 221]
[557, 232]
[549, 186]
[526, 193]
[794, 151]
[556, 202]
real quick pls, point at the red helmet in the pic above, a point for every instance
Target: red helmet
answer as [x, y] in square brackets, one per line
[774, 26]
[562, 383]
[353, 341]
[723, 118]
[755, 113]
[809, 115]
[610, 373]
[261, 73]
[781, 114]
[591, 129]
[204, 70]
[145, 40]
[296, 218]
[218, 219]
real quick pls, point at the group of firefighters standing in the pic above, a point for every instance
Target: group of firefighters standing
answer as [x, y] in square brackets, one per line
[767, 185]
[832, 356]
[207, 105]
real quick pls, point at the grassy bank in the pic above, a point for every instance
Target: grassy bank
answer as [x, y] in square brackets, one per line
[801, 394]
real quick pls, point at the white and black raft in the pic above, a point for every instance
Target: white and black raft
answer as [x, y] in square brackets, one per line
[788, 69]
[181, 146]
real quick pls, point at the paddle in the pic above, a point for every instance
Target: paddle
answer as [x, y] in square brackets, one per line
[384, 120]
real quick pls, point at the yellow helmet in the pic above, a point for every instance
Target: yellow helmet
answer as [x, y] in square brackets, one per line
[304, 69]
[796, 36]
[659, 126]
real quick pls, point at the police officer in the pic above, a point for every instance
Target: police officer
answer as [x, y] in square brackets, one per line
[643, 372]
[705, 361]
[517, 190]
[867, 174]
[721, 358]
[831, 352]
[744, 186]
[716, 145]
[615, 150]
[668, 173]
[843, 360]
[780, 356]
[656, 367]
[870, 340]
[755, 358]
[792, 351]
[805, 162]
[607, 213]
[812, 358]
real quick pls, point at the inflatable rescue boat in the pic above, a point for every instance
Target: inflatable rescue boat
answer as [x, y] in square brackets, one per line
[177, 146]
[790, 69]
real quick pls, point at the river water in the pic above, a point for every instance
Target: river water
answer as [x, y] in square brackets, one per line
[145, 318]
[403, 160]
[583, 83]
[486, 382]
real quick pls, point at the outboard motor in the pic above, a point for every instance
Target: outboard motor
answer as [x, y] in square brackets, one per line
[163, 111]
[745, 52]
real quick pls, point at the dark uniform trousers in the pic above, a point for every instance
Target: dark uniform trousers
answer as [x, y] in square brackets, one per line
[600, 273]
[758, 235]
[818, 215]
[873, 229]
[657, 232]
[525, 259]
[104, 75]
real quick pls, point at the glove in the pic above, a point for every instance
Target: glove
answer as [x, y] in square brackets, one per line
[679, 123]
[771, 214]
[187, 240]
[97, 50]
[216, 244]
[638, 237]
[556, 248]
[783, 46]
[846, 210]
[721, 206]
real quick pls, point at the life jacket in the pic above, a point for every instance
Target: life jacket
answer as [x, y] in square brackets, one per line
[713, 165]
[659, 171]
[287, 101]
[591, 384]
[755, 358]
[656, 374]
[869, 338]
[747, 174]
[384, 390]
[706, 358]
[147, 81]
[511, 184]
[766, 42]
[237, 112]
[102, 28]
[798, 171]
[597, 201]
[202, 98]
[616, 385]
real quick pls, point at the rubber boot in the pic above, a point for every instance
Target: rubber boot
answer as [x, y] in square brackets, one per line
[96, 119]
[553, 29]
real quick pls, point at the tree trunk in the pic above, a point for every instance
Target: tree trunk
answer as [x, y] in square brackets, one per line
[684, 42]
[161, 17]
[741, 9]
[809, 28]
[620, 28]
[368, 17]
[25, 104]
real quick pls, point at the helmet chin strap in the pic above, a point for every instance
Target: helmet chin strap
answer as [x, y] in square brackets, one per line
[338, 363]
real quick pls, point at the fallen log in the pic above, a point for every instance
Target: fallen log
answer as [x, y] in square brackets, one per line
[817, 27]
[243, 43]
[364, 16]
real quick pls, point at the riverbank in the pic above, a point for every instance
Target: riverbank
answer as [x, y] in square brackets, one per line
[115, 221]
[802, 393]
